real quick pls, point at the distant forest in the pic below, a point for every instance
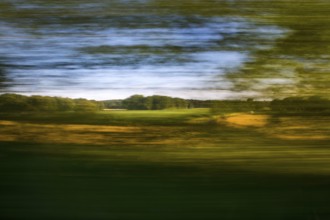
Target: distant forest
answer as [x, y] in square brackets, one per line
[290, 105]
[21, 103]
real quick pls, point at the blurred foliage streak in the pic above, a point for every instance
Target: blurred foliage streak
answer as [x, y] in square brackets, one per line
[299, 62]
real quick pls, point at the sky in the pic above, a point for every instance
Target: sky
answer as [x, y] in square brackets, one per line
[113, 49]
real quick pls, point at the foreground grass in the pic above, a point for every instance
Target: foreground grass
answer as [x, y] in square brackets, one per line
[159, 170]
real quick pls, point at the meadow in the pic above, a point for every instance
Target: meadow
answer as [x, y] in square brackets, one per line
[166, 164]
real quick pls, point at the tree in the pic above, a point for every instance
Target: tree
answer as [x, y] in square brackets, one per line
[134, 102]
[148, 103]
[180, 103]
[84, 105]
[161, 102]
[14, 102]
[42, 103]
[155, 102]
[301, 105]
[65, 104]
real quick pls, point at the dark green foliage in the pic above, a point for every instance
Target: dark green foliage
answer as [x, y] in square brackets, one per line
[156, 102]
[20, 103]
[301, 105]
[313, 105]
[138, 102]
[14, 102]
[42, 103]
[113, 104]
[200, 103]
[229, 106]
[84, 105]
[135, 102]
[65, 104]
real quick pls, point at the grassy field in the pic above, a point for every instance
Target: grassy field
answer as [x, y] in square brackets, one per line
[171, 164]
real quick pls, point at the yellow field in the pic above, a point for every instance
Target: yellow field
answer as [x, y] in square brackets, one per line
[287, 128]
[290, 128]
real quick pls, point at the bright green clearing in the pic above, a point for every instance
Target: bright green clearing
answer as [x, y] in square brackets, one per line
[154, 168]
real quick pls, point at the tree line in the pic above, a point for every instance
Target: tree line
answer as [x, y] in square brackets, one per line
[21, 103]
[248, 105]
[315, 105]
[155, 102]
[291, 105]
[312, 105]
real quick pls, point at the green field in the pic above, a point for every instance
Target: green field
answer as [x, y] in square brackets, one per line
[170, 164]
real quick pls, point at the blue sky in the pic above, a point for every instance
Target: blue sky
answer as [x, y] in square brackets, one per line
[117, 56]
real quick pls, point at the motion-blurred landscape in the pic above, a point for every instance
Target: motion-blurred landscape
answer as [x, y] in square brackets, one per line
[150, 109]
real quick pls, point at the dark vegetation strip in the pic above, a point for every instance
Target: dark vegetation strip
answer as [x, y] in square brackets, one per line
[312, 105]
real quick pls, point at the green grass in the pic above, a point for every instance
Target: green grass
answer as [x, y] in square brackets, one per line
[177, 171]
[147, 117]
